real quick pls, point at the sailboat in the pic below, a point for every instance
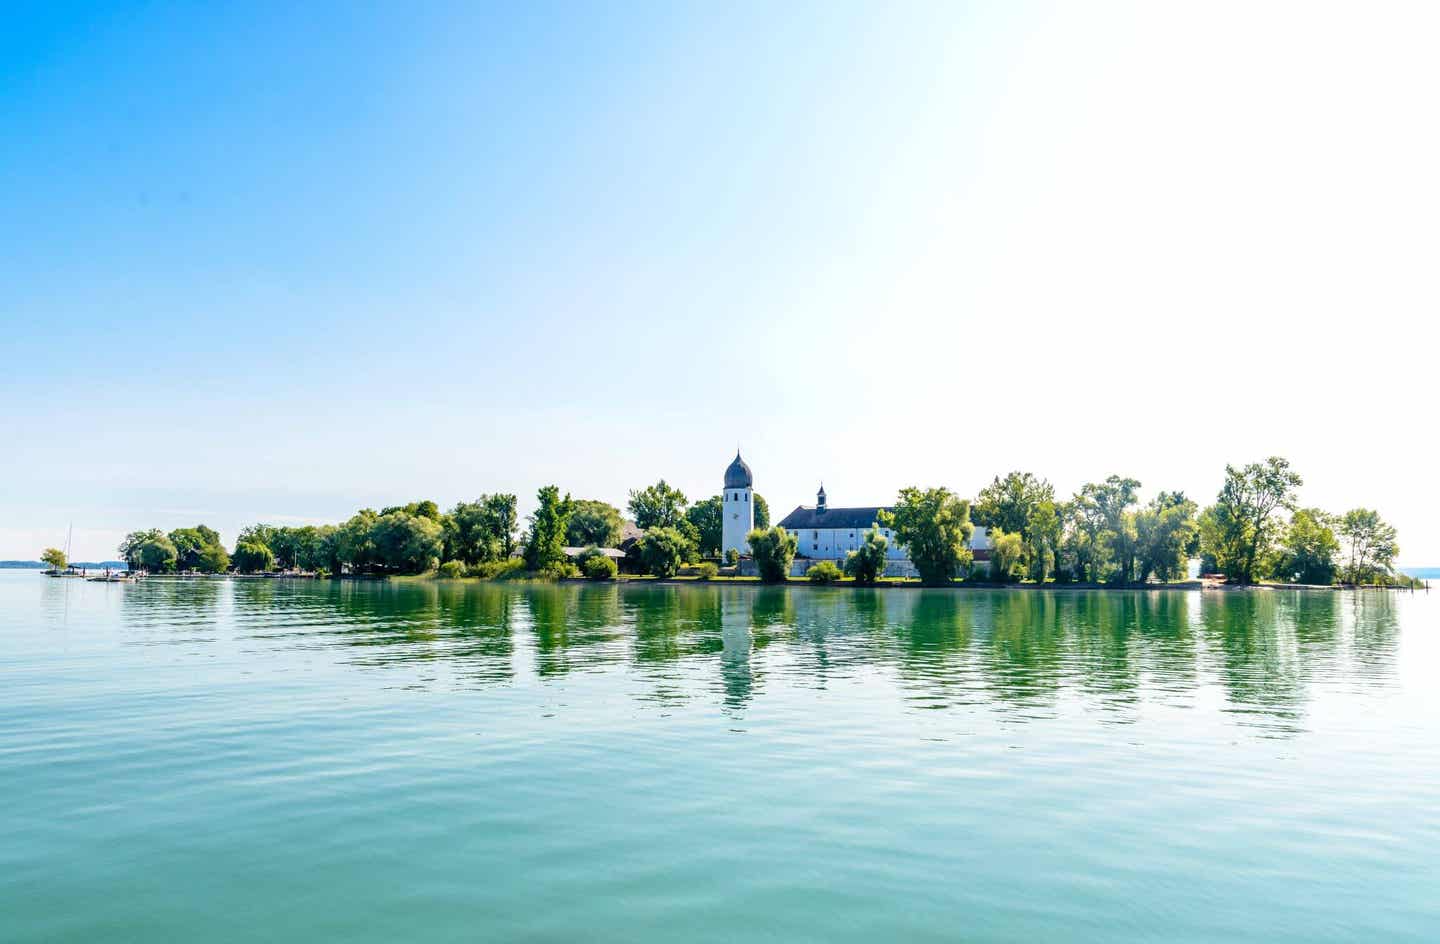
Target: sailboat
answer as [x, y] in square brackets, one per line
[69, 570]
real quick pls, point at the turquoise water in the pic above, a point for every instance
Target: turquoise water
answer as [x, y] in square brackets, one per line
[247, 761]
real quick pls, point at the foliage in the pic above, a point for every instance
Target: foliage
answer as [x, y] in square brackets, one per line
[558, 570]
[1108, 530]
[251, 557]
[354, 543]
[199, 548]
[594, 523]
[663, 550]
[407, 543]
[1007, 503]
[935, 526]
[545, 544]
[658, 506]
[774, 551]
[732, 557]
[762, 510]
[708, 518]
[55, 558]
[598, 567]
[867, 563]
[1238, 532]
[1370, 545]
[452, 570]
[823, 572]
[1006, 550]
[1043, 529]
[482, 530]
[507, 569]
[1166, 535]
[1307, 549]
[706, 571]
[150, 550]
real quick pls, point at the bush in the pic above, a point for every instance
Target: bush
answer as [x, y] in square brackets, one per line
[732, 557]
[774, 552]
[558, 570]
[823, 572]
[452, 570]
[507, 569]
[867, 564]
[599, 567]
[706, 571]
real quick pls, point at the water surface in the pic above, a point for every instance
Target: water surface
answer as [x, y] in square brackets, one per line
[278, 761]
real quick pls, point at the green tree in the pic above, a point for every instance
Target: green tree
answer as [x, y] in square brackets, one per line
[55, 558]
[1308, 548]
[597, 566]
[1042, 537]
[195, 549]
[658, 506]
[1108, 528]
[823, 572]
[252, 556]
[407, 543]
[1006, 551]
[1166, 535]
[773, 550]
[1007, 503]
[762, 511]
[708, 518]
[1238, 532]
[354, 542]
[481, 531]
[594, 522]
[214, 559]
[150, 550]
[1370, 546]
[867, 563]
[663, 550]
[935, 526]
[545, 544]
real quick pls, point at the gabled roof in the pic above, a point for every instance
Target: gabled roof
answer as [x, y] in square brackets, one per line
[807, 517]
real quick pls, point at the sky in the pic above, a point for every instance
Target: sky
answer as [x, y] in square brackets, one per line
[277, 262]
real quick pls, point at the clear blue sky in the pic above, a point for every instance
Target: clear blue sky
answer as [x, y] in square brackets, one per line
[279, 261]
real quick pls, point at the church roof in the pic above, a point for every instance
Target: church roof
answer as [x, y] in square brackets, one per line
[738, 474]
[805, 517]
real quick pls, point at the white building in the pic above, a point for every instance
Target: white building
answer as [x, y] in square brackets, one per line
[738, 503]
[826, 533]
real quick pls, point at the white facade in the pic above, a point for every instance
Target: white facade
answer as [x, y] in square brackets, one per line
[835, 543]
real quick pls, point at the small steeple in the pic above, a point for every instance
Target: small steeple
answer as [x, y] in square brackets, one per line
[820, 499]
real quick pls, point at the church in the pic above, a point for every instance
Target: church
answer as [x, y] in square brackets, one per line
[822, 532]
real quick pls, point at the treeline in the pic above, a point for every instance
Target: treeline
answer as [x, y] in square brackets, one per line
[1255, 530]
[477, 538]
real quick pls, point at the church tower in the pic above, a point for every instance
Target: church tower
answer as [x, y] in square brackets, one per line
[738, 504]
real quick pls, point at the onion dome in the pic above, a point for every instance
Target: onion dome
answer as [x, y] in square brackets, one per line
[738, 474]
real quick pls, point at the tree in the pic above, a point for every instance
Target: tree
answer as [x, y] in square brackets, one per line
[1166, 535]
[1108, 527]
[481, 531]
[935, 525]
[762, 511]
[823, 572]
[545, 544]
[595, 523]
[658, 506]
[1006, 550]
[1370, 545]
[598, 566]
[867, 563]
[252, 556]
[773, 550]
[663, 550]
[1006, 504]
[354, 542]
[195, 549]
[406, 542]
[1239, 530]
[150, 550]
[1042, 537]
[55, 558]
[1308, 548]
[708, 518]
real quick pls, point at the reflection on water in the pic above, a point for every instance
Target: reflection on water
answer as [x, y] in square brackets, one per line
[1018, 653]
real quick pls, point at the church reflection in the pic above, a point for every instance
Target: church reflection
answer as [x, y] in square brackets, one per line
[1025, 656]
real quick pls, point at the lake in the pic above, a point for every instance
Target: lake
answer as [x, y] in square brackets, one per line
[298, 761]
